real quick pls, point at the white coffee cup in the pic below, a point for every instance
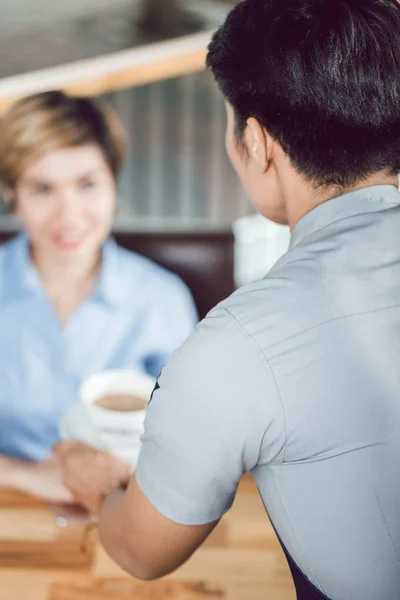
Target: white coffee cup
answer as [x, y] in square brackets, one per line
[116, 431]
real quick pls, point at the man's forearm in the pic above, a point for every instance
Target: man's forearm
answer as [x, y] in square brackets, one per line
[121, 539]
[141, 540]
[113, 532]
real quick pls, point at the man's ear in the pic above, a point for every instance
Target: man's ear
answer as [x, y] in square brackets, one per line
[259, 143]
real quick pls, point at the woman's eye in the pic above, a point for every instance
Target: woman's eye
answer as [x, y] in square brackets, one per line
[41, 189]
[86, 184]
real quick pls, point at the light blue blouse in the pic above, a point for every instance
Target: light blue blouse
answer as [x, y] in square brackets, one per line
[137, 315]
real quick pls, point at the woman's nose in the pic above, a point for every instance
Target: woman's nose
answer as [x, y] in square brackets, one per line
[69, 207]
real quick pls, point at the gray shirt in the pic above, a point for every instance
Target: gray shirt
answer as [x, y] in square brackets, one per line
[296, 378]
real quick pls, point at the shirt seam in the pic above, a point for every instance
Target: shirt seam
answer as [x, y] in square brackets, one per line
[297, 537]
[387, 526]
[331, 320]
[255, 343]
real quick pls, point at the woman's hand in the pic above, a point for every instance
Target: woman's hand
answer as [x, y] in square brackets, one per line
[90, 474]
[44, 480]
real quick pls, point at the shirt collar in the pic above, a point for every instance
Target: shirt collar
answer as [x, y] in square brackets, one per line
[367, 200]
[110, 288]
[22, 277]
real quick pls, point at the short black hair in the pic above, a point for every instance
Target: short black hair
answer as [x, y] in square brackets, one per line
[321, 76]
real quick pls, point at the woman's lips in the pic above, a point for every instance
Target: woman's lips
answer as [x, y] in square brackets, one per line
[67, 242]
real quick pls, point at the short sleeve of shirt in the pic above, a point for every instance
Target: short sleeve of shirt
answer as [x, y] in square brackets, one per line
[173, 319]
[215, 414]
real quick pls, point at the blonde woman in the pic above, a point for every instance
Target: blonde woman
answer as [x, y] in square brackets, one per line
[72, 302]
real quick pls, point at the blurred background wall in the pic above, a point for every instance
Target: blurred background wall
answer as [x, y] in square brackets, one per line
[178, 169]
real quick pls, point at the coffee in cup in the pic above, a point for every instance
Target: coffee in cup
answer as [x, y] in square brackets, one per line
[111, 413]
[122, 402]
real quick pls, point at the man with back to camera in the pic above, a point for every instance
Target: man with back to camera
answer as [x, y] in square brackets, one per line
[295, 378]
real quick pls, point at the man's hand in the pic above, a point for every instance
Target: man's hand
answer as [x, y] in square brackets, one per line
[90, 474]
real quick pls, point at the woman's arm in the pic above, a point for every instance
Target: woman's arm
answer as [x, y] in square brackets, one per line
[8, 472]
[42, 480]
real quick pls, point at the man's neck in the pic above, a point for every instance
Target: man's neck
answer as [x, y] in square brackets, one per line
[301, 198]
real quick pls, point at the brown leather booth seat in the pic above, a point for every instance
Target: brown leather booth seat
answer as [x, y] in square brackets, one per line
[203, 260]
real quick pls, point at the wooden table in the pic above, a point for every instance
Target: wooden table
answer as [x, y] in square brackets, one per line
[241, 560]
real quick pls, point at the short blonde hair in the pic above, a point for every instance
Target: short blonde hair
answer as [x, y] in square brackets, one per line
[45, 122]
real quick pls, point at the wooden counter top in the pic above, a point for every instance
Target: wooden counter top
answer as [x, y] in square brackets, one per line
[241, 560]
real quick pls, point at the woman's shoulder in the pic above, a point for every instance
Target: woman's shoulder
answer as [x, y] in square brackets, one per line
[134, 261]
[145, 269]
